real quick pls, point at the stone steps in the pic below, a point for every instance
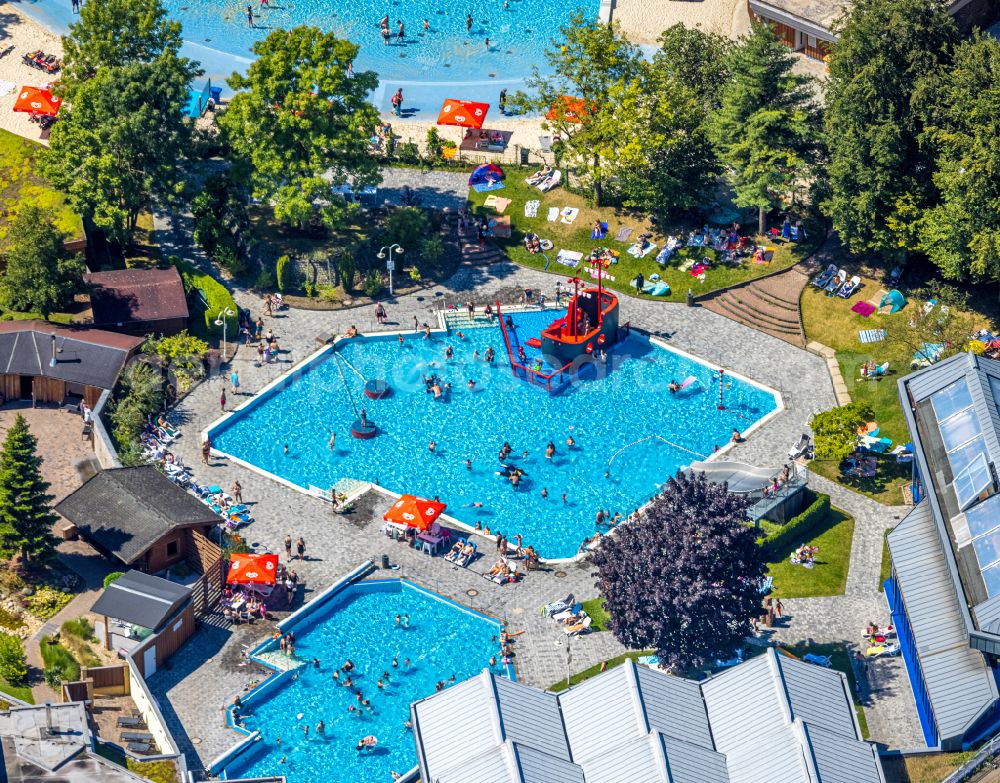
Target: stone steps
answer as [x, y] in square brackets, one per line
[474, 254]
[770, 305]
[756, 312]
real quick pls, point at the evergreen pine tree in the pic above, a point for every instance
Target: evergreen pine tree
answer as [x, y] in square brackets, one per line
[766, 130]
[26, 517]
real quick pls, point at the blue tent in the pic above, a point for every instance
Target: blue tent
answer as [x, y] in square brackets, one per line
[895, 299]
[487, 172]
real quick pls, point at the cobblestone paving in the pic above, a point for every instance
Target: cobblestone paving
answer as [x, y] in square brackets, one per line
[192, 693]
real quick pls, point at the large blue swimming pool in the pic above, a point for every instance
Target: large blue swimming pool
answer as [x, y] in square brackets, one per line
[625, 424]
[358, 623]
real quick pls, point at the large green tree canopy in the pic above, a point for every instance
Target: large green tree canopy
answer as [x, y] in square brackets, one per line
[880, 169]
[298, 123]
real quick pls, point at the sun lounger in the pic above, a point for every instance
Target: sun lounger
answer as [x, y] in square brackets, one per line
[836, 282]
[818, 660]
[847, 290]
[546, 185]
[801, 447]
[139, 747]
[581, 627]
[130, 722]
[559, 606]
[766, 584]
[565, 614]
[137, 736]
[824, 279]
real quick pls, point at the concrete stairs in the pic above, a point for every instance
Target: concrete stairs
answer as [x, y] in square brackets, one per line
[459, 319]
[770, 305]
[474, 255]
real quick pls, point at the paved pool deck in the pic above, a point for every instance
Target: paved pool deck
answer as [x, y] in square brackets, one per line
[206, 674]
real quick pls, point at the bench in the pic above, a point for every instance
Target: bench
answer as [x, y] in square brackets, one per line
[137, 736]
[130, 722]
[139, 747]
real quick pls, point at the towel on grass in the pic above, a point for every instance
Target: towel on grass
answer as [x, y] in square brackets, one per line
[553, 214]
[502, 204]
[486, 187]
[623, 234]
[491, 201]
[531, 208]
[569, 215]
[864, 309]
[569, 257]
[647, 248]
[871, 335]
[698, 269]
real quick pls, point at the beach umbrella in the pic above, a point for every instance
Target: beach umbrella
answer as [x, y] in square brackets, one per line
[567, 108]
[464, 114]
[252, 569]
[415, 512]
[34, 99]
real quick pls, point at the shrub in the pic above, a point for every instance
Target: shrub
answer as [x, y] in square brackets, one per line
[13, 663]
[10, 620]
[182, 354]
[58, 658]
[53, 678]
[46, 602]
[836, 430]
[406, 226]
[111, 578]
[310, 288]
[434, 142]
[211, 297]
[328, 293]
[81, 628]
[373, 283]
[286, 274]
[139, 395]
[431, 251]
[348, 269]
[798, 529]
[408, 152]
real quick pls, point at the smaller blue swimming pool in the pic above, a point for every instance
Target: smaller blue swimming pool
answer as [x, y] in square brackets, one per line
[443, 642]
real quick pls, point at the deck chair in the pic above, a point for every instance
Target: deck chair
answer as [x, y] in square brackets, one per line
[139, 747]
[800, 448]
[581, 627]
[818, 660]
[574, 610]
[551, 182]
[823, 280]
[847, 290]
[558, 606]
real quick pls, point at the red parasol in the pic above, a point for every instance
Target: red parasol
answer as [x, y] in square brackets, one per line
[251, 569]
[567, 108]
[465, 114]
[415, 512]
[34, 99]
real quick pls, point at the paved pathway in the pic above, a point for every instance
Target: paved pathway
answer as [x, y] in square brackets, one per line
[207, 674]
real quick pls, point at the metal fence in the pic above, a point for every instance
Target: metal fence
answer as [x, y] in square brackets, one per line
[979, 766]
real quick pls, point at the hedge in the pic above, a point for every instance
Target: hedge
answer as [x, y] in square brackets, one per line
[798, 529]
[212, 292]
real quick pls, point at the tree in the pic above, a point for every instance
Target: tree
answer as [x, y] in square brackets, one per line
[13, 662]
[696, 59]
[683, 579]
[836, 430]
[961, 234]
[406, 226]
[39, 276]
[114, 33]
[26, 515]
[586, 63]
[880, 168]
[114, 575]
[139, 396]
[766, 130]
[298, 124]
[118, 144]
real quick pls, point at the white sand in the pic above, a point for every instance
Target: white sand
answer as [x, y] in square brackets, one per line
[26, 36]
[643, 21]
[526, 131]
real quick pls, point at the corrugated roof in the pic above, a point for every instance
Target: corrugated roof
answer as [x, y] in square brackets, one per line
[988, 615]
[141, 599]
[837, 761]
[635, 725]
[127, 510]
[958, 680]
[127, 295]
[86, 356]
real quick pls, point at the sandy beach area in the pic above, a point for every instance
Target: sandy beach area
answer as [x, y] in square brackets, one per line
[26, 36]
[643, 21]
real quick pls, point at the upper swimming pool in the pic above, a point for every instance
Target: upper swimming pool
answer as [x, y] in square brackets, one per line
[625, 424]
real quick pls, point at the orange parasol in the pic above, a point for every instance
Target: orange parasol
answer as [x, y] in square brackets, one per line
[465, 114]
[251, 569]
[415, 512]
[34, 99]
[567, 108]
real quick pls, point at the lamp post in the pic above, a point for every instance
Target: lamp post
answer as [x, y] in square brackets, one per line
[390, 265]
[220, 320]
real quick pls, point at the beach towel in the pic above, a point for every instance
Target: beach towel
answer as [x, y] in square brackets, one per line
[553, 214]
[698, 269]
[864, 309]
[647, 248]
[486, 187]
[502, 204]
[531, 208]
[569, 215]
[500, 227]
[623, 234]
[491, 201]
[569, 257]
[871, 335]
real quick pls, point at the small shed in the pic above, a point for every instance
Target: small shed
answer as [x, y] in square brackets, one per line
[138, 301]
[141, 519]
[147, 617]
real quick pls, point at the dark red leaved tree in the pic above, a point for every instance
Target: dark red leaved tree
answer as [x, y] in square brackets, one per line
[683, 580]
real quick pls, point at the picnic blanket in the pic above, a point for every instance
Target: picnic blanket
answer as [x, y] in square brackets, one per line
[623, 234]
[486, 187]
[569, 215]
[569, 257]
[871, 335]
[553, 214]
[698, 269]
[531, 208]
[647, 248]
[501, 227]
[502, 204]
[864, 309]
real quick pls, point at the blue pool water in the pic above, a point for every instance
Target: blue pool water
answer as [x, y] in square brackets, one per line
[630, 404]
[358, 623]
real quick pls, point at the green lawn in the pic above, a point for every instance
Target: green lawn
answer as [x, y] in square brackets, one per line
[829, 575]
[58, 657]
[598, 615]
[20, 183]
[586, 674]
[22, 692]
[840, 661]
[577, 237]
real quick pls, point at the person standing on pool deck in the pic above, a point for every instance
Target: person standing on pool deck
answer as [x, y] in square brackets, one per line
[503, 99]
[235, 380]
[222, 400]
[288, 547]
[300, 548]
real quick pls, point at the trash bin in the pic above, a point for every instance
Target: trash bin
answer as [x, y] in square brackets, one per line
[690, 298]
[217, 95]
[385, 562]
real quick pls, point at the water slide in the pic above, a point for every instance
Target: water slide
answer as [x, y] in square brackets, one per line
[740, 477]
